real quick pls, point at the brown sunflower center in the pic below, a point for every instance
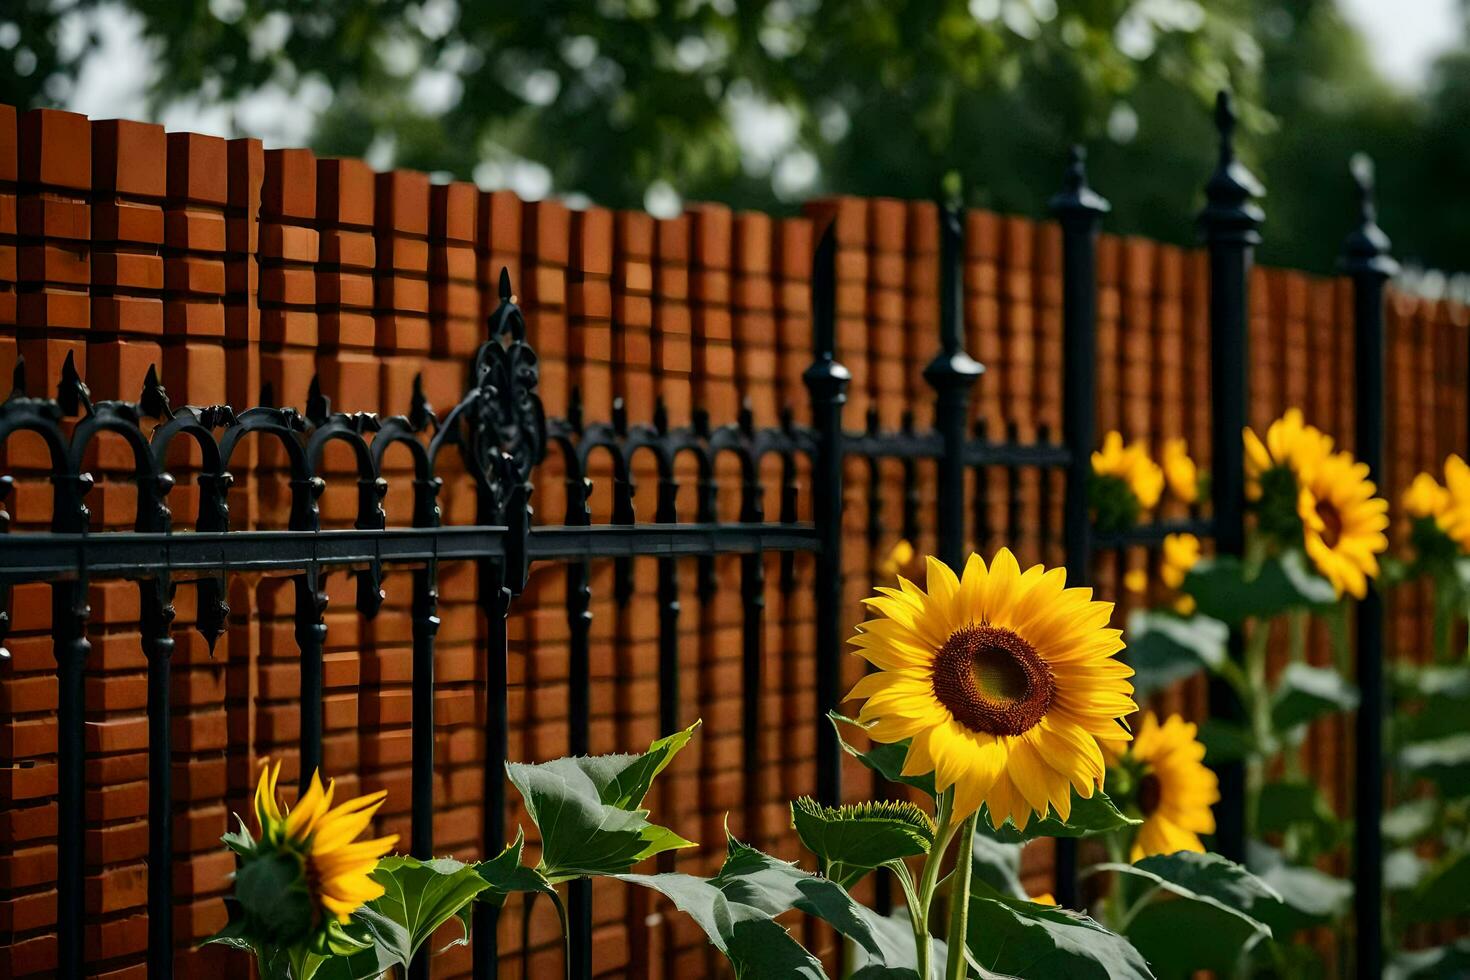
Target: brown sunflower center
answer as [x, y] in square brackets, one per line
[1150, 794]
[993, 681]
[1331, 522]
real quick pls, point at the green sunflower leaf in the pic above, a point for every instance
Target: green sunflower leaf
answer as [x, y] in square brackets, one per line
[1308, 896]
[586, 808]
[1305, 693]
[1222, 590]
[421, 896]
[1164, 648]
[505, 875]
[1196, 916]
[1094, 815]
[1444, 893]
[849, 841]
[1298, 806]
[1411, 820]
[1445, 760]
[997, 864]
[884, 758]
[1225, 741]
[737, 910]
[1441, 961]
[1042, 942]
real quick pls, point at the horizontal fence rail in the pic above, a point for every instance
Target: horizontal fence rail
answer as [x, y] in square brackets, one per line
[499, 433]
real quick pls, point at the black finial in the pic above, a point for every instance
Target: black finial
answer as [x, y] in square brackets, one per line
[746, 417]
[1077, 201]
[1366, 250]
[574, 410]
[18, 378]
[620, 416]
[660, 415]
[906, 421]
[872, 419]
[267, 395]
[701, 422]
[1230, 215]
[318, 405]
[420, 412]
[72, 393]
[788, 418]
[506, 295]
[154, 401]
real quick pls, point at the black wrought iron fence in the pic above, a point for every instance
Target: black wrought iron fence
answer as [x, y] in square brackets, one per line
[499, 430]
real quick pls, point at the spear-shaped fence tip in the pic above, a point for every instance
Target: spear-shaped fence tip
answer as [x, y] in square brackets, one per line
[72, 392]
[506, 295]
[660, 415]
[318, 405]
[267, 394]
[620, 416]
[18, 378]
[574, 409]
[154, 400]
[419, 409]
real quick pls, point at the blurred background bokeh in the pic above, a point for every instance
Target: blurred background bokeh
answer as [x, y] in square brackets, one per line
[763, 103]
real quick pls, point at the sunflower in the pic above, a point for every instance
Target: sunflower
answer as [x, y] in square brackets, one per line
[1174, 788]
[1308, 495]
[335, 865]
[1342, 522]
[1454, 519]
[1004, 681]
[1426, 498]
[898, 560]
[1130, 464]
[1180, 472]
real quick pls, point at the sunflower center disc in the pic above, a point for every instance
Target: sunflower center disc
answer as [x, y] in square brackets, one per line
[993, 681]
[1332, 522]
[1150, 792]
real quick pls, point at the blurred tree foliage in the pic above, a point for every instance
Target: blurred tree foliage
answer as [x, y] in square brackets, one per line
[762, 102]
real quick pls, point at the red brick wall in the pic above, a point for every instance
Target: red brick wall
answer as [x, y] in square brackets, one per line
[237, 270]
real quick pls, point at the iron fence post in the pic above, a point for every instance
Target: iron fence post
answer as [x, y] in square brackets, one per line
[1079, 210]
[1230, 223]
[1367, 262]
[952, 374]
[826, 380]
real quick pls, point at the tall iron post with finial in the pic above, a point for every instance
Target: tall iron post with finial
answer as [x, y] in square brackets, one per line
[952, 374]
[826, 380]
[1366, 260]
[1079, 210]
[1230, 223]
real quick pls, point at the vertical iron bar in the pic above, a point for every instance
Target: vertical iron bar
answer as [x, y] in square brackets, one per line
[69, 612]
[424, 613]
[1230, 223]
[579, 707]
[1013, 492]
[753, 599]
[494, 599]
[952, 374]
[156, 595]
[665, 511]
[311, 638]
[1367, 261]
[1044, 527]
[1079, 210]
[980, 506]
[826, 381]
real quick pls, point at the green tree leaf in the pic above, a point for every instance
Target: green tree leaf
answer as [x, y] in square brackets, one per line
[1195, 916]
[1410, 820]
[1445, 760]
[1222, 591]
[1164, 648]
[850, 841]
[1452, 960]
[1040, 942]
[1305, 693]
[581, 805]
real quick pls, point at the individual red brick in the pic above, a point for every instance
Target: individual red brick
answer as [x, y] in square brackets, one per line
[547, 229]
[128, 157]
[116, 368]
[194, 372]
[55, 149]
[198, 168]
[346, 192]
[9, 164]
[289, 189]
[403, 202]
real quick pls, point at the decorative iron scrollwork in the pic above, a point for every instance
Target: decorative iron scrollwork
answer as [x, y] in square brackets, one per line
[507, 425]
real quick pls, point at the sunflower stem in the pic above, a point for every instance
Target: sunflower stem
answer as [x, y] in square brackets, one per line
[959, 900]
[1258, 708]
[1443, 620]
[929, 878]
